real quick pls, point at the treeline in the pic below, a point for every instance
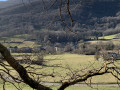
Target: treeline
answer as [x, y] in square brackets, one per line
[64, 37]
[87, 48]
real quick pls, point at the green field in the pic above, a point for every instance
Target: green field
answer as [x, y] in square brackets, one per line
[106, 39]
[67, 60]
[18, 40]
[110, 36]
[76, 62]
[25, 87]
[21, 40]
[65, 63]
[89, 88]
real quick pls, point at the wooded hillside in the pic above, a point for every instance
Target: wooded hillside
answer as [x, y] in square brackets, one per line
[90, 16]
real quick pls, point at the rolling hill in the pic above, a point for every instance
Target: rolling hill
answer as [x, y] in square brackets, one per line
[89, 15]
[8, 3]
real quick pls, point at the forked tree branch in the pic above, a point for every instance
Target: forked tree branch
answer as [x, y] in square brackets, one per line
[21, 70]
[84, 78]
[36, 85]
[69, 13]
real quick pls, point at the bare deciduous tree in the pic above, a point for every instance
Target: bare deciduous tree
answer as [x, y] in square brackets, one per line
[75, 77]
[28, 77]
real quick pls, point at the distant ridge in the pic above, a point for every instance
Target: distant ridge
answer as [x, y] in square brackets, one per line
[11, 3]
[90, 15]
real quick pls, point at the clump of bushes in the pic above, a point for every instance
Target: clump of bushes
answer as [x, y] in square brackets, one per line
[91, 49]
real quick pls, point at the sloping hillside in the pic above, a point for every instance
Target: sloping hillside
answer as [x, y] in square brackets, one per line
[89, 15]
[7, 3]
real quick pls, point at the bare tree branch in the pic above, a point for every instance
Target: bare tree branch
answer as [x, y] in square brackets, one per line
[83, 78]
[21, 70]
[69, 13]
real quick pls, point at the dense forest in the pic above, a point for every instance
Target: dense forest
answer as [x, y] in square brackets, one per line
[92, 18]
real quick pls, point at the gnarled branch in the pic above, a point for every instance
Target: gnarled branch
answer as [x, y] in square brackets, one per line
[21, 70]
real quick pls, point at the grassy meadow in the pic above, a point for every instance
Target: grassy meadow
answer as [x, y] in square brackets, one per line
[18, 40]
[25, 87]
[75, 62]
[106, 39]
[62, 64]
[89, 88]
[21, 40]
[110, 36]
